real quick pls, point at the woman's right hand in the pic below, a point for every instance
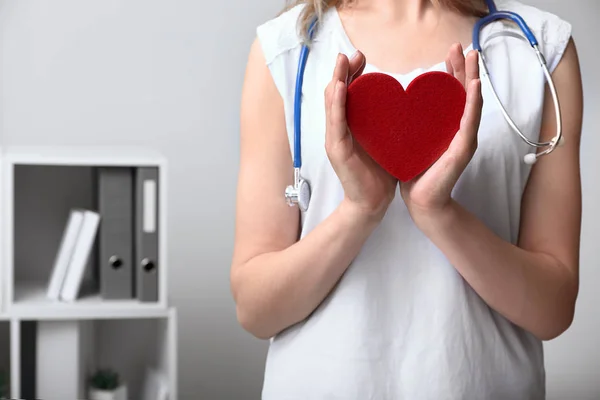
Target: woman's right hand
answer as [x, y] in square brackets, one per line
[368, 188]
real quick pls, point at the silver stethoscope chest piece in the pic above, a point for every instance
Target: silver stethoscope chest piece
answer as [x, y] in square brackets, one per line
[299, 192]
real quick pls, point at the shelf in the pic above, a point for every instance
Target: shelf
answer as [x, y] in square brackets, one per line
[31, 303]
[38, 201]
[131, 347]
[39, 187]
[82, 156]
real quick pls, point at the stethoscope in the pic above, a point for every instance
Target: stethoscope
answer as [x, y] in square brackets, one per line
[299, 193]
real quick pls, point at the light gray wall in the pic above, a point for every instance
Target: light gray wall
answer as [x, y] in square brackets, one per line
[168, 75]
[573, 360]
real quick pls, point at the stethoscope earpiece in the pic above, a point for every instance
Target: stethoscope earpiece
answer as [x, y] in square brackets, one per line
[530, 158]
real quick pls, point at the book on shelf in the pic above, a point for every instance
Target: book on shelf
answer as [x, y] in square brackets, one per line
[73, 255]
[63, 256]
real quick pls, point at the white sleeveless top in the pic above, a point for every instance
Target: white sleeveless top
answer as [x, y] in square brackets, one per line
[402, 323]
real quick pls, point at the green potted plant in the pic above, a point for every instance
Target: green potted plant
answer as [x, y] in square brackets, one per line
[106, 384]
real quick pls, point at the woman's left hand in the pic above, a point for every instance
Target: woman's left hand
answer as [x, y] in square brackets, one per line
[430, 192]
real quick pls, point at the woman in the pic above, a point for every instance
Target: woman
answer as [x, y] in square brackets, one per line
[444, 287]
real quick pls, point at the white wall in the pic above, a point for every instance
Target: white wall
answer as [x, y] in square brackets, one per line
[168, 75]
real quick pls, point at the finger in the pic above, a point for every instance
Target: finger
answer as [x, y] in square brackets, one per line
[328, 99]
[356, 66]
[460, 152]
[449, 66]
[457, 59]
[340, 73]
[474, 104]
[466, 140]
[471, 67]
[337, 118]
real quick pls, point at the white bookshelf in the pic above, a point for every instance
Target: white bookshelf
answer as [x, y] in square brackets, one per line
[38, 186]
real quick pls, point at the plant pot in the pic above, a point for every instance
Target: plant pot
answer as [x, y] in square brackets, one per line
[119, 393]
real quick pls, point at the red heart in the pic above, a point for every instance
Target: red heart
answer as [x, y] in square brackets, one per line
[405, 131]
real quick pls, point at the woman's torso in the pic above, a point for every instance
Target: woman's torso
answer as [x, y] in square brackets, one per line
[402, 323]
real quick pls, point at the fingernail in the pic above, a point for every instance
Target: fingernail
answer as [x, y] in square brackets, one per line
[354, 55]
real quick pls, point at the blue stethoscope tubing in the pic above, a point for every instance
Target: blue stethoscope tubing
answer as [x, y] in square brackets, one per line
[299, 192]
[495, 15]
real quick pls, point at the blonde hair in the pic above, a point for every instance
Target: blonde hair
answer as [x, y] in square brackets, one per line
[316, 8]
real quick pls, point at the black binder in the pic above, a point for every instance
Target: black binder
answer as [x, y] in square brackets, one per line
[146, 234]
[115, 205]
